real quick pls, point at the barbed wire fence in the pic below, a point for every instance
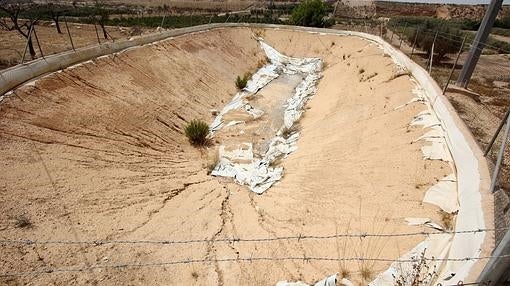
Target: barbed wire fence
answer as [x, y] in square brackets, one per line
[251, 259]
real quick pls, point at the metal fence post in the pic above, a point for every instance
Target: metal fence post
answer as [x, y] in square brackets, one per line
[162, 21]
[392, 34]
[501, 152]
[430, 61]
[26, 46]
[97, 33]
[414, 42]
[489, 147]
[497, 267]
[38, 44]
[454, 65]
[402, 36]
[69, 33]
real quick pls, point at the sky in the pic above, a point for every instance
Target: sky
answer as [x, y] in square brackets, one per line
[450, 1]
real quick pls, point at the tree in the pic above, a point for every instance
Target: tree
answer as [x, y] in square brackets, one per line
[447, 40]
[310, 13]
[54, 11]
[13, 9]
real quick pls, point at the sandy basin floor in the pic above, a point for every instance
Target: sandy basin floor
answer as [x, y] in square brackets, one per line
[97, 152]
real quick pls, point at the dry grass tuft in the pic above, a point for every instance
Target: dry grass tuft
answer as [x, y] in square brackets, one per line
[345, 273]
[287, 132]
[213, 158]
[447, 219]
[259, 33]
[23, 221]
[194, 274]
[262, 62]
[367, 272]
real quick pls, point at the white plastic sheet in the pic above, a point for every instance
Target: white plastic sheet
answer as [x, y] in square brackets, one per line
[241, 163]
[444, 194]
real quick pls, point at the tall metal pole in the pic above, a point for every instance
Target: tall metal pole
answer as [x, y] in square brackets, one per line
[454, 65]
[479, 42]
[69, 33]
[497, 268]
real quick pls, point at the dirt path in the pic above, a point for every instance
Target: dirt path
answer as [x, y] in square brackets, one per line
[97, 152]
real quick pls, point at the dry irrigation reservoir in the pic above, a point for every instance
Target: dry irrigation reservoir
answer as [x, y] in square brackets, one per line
[94, 159]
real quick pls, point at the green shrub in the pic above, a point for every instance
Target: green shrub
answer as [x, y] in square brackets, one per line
[241, 82]
[197, 132]
[447, 41]
[310, 13]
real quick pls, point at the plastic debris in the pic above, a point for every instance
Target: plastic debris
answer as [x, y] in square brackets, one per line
[444, 194]
[241, 164]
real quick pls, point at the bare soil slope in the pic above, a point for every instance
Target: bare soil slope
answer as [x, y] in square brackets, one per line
[97, 152]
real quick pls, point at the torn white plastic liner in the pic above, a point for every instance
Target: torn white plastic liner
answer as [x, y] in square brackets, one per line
[328, 281]
[444, 194]
[240, 163]
[438, 149]
[405, 271]
[418, 221]
[258, 174]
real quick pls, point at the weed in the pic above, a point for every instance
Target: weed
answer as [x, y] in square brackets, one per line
[212, 161]
[447, 219]
[345, 273]
[197, 132]
[361, 70]
[367, 273]
[419, 273]
[262, 62]
[276, 162]
[287, 132]
[23, 221]
[259, 33]
[194, 274]
[241, 82]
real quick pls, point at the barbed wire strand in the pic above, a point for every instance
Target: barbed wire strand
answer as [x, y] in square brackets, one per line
[232, 240]
[238, 259]
[449, 36]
